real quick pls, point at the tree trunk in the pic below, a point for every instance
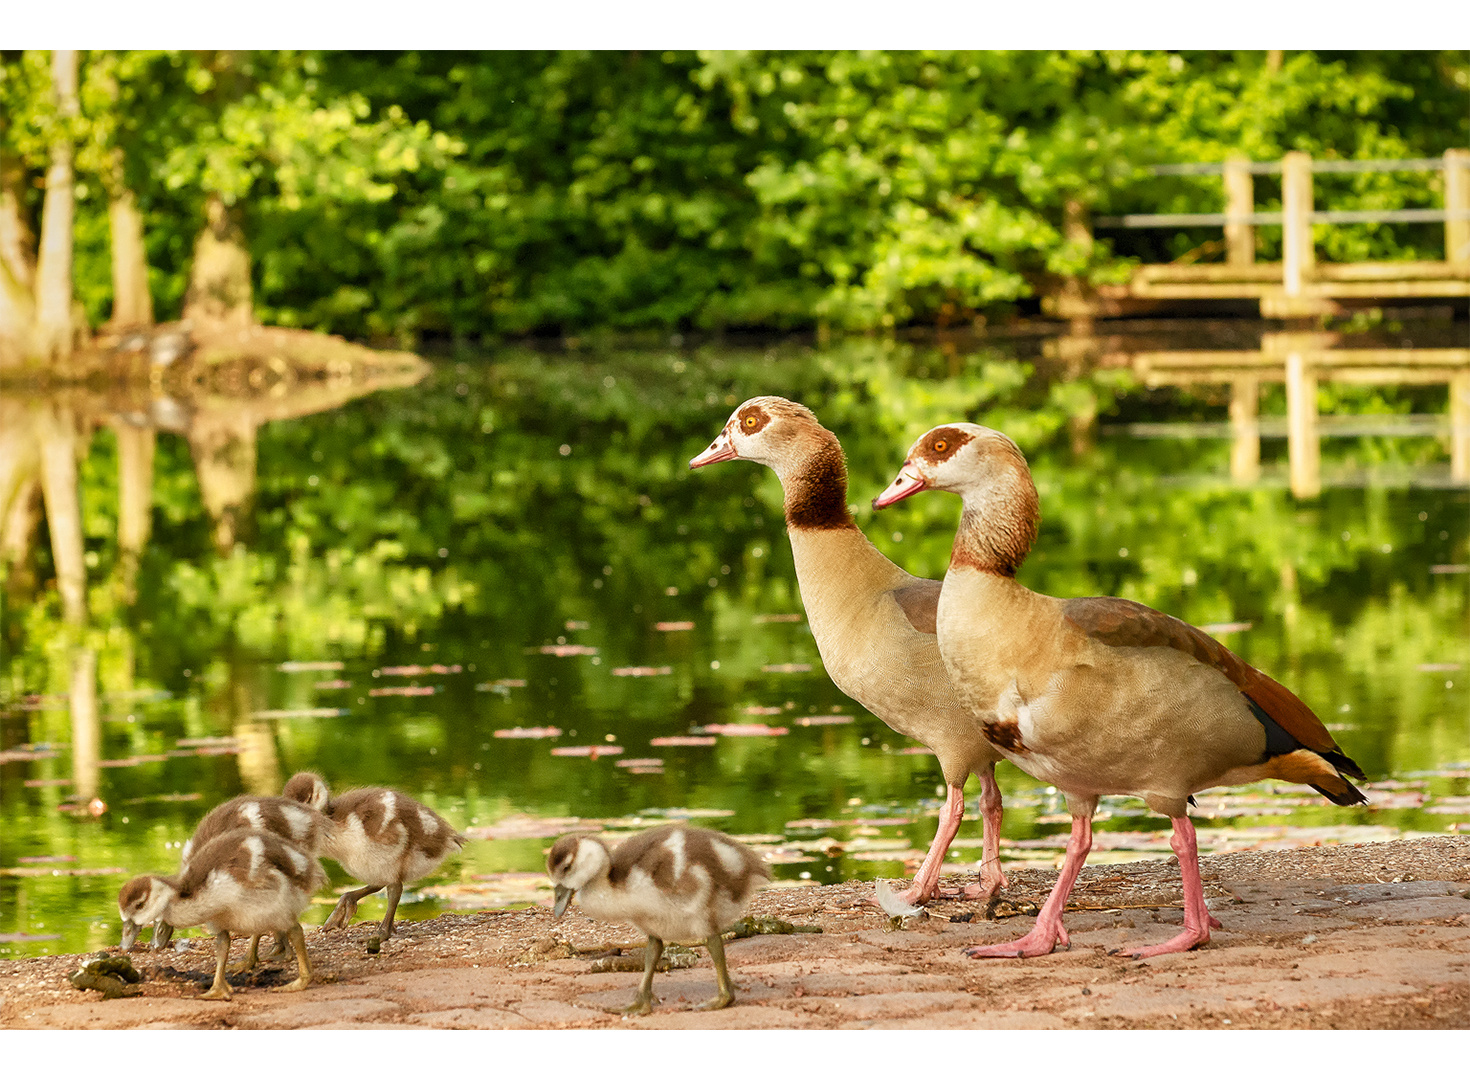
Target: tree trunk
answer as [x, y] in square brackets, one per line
[59, 486]
[17, 263]
[53, 335]
[132, 304]
[219, 286]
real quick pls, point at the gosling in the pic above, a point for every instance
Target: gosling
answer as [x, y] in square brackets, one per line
[245, 881]
[301, 826]
[381, 837]
[674, 882]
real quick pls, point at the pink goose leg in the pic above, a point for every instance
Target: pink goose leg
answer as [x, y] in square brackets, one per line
[992, 877]
[1197, 918]
[926, 881]
[1049, 931]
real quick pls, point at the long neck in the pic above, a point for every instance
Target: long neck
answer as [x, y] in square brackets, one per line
[816, 487]
[997, 526]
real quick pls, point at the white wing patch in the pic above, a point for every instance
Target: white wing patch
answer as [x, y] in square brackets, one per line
[429, 820]
[390, 807]
[298, 860]
[675, 844]
[298, 822]
[250, 811]
[256, 846]
[730, 859]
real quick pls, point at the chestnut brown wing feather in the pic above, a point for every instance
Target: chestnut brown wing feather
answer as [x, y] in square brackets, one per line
[919, 600]
[1126, 624]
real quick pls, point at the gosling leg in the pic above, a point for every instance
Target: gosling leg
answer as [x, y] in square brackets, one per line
[281, 947]
[643, 1003]
[220, 991]
[726, 995]
[303, 965]
[394, 892]
[347, 907]
[252, 956]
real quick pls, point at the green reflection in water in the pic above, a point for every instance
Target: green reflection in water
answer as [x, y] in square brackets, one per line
[528, 500]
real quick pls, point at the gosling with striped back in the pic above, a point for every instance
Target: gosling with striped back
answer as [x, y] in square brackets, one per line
[244, 881]
[381, 837]
[302, 826]
[674, 882]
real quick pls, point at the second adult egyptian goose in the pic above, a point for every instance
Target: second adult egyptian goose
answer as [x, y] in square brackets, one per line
[1098, 695]
[245, 882]
[873, 622]
[380, 836]
[673, 882]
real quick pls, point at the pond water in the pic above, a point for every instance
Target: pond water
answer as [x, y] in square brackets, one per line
[502, 591]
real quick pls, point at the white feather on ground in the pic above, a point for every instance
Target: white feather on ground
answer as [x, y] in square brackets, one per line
[890, 902]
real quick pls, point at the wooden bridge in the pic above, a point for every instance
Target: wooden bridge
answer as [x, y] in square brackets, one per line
[1299, 286]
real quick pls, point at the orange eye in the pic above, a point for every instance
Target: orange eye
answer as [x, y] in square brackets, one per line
[940, 446]
[750, 422]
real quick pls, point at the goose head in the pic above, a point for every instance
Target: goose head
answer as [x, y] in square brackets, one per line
[574, 862]
[989, 472]
[768, 430]
[142, 902]
[308, 788]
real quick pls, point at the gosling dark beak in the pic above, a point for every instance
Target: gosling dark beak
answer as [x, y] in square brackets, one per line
[163, 933]
[563, 898]
[904, 484]
[129, 934]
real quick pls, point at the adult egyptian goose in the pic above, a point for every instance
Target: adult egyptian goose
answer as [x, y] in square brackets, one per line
[873, 622]
[244, 881]
[674, 882]
[1098, 695]
[301, 826]
[381, 837]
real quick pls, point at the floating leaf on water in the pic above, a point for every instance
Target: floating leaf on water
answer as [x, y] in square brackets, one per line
[668, 627]
[593, 752]
[1226, 627]
[640, 762]
[647, 770]
[640, 672]
[332, 684]
[744, 729]
[528, 733]
[411, 670]
[36, 859]
[785, 669]
[401, 691]
[501, 685]
[681, 813]
[491, 890]
[528, 827]
[813, 823]
[683, 740]
[565, 650]
[70, 871]
[779, 856]
[7, 939]
[575, 624]
[778, 618]
[61, 781]
[311, 665]
[1439, 667]
[1450, 568]
[26, 755]
[822, 721]
[763, 710]
[298, 714]
[902, 855]
[187, 796]
[880, 822]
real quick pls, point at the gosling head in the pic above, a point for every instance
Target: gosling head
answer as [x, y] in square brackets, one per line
[140, 903]
[768, 430]
[308, 788]
[575, 861]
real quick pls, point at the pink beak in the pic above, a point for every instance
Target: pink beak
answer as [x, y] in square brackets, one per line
[904, 484]
[722, 449]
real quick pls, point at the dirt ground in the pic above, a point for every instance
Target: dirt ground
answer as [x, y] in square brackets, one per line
[1367, 936]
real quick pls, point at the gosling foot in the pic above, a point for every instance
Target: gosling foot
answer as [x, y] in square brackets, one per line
[719, 1001]
[641, 1006]
[299, 983]
[341, 915]
[220, 991]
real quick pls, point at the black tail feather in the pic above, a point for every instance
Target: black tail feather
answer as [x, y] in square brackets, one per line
[1351, 797]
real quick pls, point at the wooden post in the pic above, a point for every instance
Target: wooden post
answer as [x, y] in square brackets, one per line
[1245, 427]
[1457, 199]
[1297, 259]
[1303, 445]
[1460, 427]
[1240, 201]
